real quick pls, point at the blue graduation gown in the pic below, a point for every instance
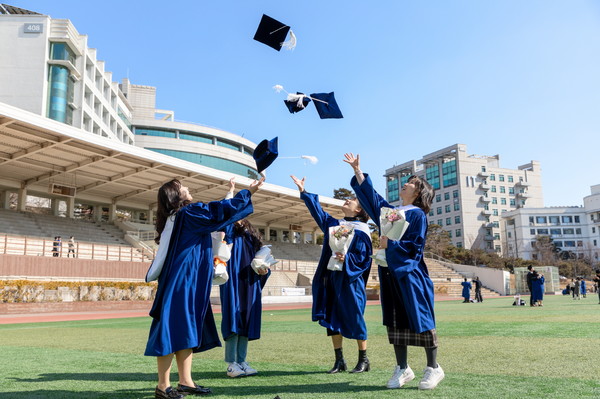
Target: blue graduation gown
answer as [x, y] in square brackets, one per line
[241, 295]
[583, 288]
[405, 287]
[339, 297]
[537, 288]
[181, 312]
[466, 292]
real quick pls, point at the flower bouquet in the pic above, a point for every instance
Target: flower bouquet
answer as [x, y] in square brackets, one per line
[263, 260]
[221, 254]
[393, 225]
[340, 238]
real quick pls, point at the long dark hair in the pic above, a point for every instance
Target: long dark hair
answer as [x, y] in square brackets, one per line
[245, 227]
[426, 193]
[169, 202]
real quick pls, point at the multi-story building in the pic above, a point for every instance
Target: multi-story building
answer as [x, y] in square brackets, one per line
[574, 230]
[471, 193]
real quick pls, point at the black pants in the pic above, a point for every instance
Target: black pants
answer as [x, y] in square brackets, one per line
[530, 296]
[478, 296]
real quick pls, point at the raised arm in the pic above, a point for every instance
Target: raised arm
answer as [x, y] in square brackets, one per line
[354, 162]
[311, 201]
[369, 199]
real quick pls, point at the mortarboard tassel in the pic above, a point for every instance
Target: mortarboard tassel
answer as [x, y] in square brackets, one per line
[297, 98]
[310, 158]
[290, 44]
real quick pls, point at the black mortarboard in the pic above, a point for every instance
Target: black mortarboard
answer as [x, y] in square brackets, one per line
[327, 107]
[296, 102]
[265, 153]
[273, 33]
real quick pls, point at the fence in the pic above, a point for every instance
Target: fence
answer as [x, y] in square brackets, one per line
[33, 246]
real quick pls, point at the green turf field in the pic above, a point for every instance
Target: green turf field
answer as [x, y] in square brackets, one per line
[488, 350]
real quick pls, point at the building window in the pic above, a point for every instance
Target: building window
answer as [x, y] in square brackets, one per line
[449, 172]
[509, 234]
[522, 202]
[576, 219]
[195, 137]
[439, 210]
[568, 231]
[494, 200]
[558, 244]
[155, 133]
[446, 196]
[457, 207]
[502, 189]
[492, 176]
[541, 219]
[393, 189]
[440, 222]
[595, 243]
[496, 236]
[555, 232]
[431, 212]
[580, 243]
[486, 207]
[555, 220]
[542, 231]
[531, 220]
[457, 219]
[483, 168]
[577, 231]
[459, 245]
[502, 201]
[511, 190]
[567, 219]
[593, 230]
[570, 244]
[60, 94]
[458, 232]
[448, 221]
[450, 233]
[447, 208]
[495, 212]
[493, 189]
[513, 202]
[438, 197]
[532, 232]
[455, 194]
[510, 178]
[432, 174]
[500, 177]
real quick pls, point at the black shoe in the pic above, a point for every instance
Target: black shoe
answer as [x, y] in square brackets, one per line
[362, 366]
[195, 390]
[339, 365]
[168, 393]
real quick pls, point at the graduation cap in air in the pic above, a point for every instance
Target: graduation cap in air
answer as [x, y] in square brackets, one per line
[325, 103]
[273, 33]
[265, 153]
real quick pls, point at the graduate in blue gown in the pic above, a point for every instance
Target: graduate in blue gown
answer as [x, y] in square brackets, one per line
[183, 322]
[405, 286]
[339, 284]
[583, 288]
[466, 291]
[241, 297]
[537, 289]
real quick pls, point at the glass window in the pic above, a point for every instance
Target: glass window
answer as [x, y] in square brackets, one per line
[558, 243]
[226, 144]
[502, 201]
[511, 190]
[540, 219]
[195, 137]
[500, 177]
[62, 51]
[531, 219]
[567, 219]
[449, 172]
[457, 207]
[555, 220]
[577, 231]
[431, 212]
[439, 210]
[576, 219]
[569, 243]
[509, 234]
[580, 243]
[486, 207]
[432, 174]
[446, 196]
[457, 219]
[495, 212]
[568, 231]
[492, 176]
[393, 192]
[448, 221]
[496, 236]
[513, 202]
[483, 168]
[493, 189]
[450, 233]
[502, 189]
[542, 231]
[438, 197]
[532, 232]
[458, 232]
[593, 230]
[510, 178]
[455, 194]
[459, 245]
[447, 208]
[155, 132]
[440, 222]
[555, 232]
[494, 200]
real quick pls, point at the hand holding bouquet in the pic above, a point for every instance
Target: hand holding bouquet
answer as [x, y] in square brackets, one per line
[263, 260]
[393, 225]
[340, 238]
[221, 254]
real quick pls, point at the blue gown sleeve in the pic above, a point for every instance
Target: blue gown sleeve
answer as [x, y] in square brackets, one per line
[323, 219]
[205, 218]
[410, 246]
[369, 199]
[358, 257]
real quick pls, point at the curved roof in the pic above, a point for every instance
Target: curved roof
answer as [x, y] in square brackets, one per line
[36, 151]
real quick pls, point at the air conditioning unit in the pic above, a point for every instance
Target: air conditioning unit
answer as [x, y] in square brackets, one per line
[60, 189]
[295, 227]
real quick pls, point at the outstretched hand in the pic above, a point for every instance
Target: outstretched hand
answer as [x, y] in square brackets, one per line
[299, 183]
[255, 185]
[352, 160]
[232, 184]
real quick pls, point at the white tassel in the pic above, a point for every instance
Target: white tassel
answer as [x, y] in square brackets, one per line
[278, 88]
[290, 44]
[297, 98]
[311, 158]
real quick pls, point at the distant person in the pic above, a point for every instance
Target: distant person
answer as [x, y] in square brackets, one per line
[339, 284]
[530, 272]
[576, 287]
[572, 285]
[71, 246]
[583, 288]
[55, 247]
[538, 289]
[466, 291]
[406, 288]
[477, 284]
[596, 281]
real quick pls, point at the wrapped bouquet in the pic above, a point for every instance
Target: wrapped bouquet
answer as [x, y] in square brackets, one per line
[263, 260]
[221, 254]
[340, 238]
[393, 225]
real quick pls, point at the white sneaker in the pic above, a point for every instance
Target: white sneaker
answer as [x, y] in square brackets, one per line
[234, 370]
[431, 377]
[400, 377]
[248, 371]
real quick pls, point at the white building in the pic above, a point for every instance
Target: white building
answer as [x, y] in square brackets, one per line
[574, 229]
[472, 192]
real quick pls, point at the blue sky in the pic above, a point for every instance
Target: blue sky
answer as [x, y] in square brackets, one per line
[515, 78]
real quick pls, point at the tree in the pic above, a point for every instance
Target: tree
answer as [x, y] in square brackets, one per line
[546, 250]
[438, 240]
[342, 193]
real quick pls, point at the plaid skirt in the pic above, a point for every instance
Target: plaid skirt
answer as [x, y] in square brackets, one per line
[406, 337]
